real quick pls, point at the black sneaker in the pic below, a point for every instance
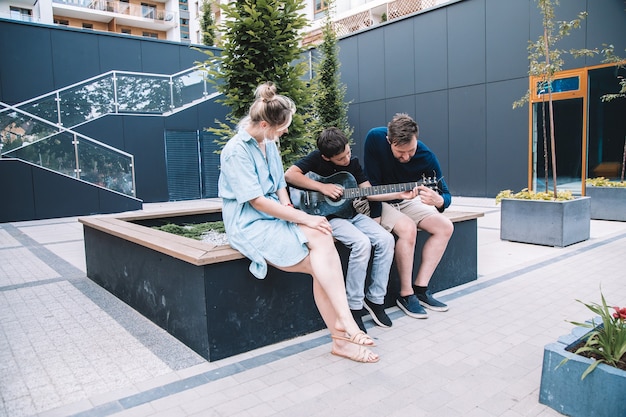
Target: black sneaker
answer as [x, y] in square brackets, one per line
[357, 314]
[377, 311]
[411, 306]
[428, 301]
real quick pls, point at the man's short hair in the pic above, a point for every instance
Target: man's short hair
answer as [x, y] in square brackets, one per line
[401, 129]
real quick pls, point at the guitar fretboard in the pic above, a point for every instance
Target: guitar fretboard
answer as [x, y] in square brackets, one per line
[379, 189]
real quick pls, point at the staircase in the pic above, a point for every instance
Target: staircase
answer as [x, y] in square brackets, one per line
[39, 130]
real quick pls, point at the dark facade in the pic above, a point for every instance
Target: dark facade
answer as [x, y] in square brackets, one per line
[456, 69]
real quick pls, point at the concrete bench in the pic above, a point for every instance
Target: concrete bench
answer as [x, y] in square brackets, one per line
[205, 296]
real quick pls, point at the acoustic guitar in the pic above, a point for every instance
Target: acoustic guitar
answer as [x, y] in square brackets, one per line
[314, 202]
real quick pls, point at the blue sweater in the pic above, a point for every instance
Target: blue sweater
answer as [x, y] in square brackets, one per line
[381, 167]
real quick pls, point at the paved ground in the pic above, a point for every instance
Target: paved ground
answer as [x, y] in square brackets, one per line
[69, 348]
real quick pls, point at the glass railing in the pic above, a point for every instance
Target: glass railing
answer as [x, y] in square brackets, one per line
[33, 139]
[121, 92]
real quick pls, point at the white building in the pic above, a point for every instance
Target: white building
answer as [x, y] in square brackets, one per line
[179, 20]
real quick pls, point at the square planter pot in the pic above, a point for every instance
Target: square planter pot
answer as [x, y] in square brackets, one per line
[607, 203]
[548, 223]
[600, 394]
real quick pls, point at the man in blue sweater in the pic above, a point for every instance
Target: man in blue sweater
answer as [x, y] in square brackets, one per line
[394, 155]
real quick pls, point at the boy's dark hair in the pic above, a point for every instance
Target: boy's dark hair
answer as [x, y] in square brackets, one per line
[331, 141]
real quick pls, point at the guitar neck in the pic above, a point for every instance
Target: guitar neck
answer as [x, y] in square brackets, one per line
[379, 189]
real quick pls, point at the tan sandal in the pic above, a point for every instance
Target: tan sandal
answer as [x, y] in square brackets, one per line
[359, 338]
[362, 355]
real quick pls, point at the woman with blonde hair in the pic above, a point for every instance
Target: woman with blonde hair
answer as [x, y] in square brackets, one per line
[263, 225]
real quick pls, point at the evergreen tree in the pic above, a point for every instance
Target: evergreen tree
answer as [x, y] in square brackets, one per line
[207, 24]
[261, 42]
[329, 107]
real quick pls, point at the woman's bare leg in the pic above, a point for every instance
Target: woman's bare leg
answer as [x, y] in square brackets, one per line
[329, 291]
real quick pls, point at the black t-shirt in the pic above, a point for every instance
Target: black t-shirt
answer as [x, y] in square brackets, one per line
[315, 163]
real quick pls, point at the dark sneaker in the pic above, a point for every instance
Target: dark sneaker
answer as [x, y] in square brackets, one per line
[357, 314]
[411, 306]
[428, 301]
[377, 311]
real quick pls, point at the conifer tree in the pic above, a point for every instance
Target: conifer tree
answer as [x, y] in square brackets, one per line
[207, 24]
[329, 107]
[261, 42]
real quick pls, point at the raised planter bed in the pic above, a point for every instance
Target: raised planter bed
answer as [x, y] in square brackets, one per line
[205, 296]
[600, 394]
[607, 203]
[548, 223]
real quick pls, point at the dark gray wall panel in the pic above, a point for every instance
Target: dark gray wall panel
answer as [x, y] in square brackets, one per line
[116, 55]
[23, 76]
[370, 115]
[371, 65]
[16, 183]
[161, 58]
[58, 196]
[107, 129]
[405, 104]
[72, 50]
[348, 57]
[507, 137]
[467, 140]
[358, 133]
[431, 115]
[399, 60]
[431, 51]
[466, 43]
[145, 139]
[507, 35]
[605, 22]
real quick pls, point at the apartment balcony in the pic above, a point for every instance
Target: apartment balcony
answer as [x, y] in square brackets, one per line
[369, 14]
[118, 12]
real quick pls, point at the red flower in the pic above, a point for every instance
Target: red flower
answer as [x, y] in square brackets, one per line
[620, 313]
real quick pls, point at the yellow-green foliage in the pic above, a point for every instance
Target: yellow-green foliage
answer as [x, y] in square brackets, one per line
[193, 231]
[525, 194]
[604, 182]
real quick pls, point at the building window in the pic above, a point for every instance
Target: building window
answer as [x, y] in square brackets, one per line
[62, 22]
[125, 30]
[151, 35]
[321, 5]
[183, 5]
[17, 13]
[148, 10]
[88, 26]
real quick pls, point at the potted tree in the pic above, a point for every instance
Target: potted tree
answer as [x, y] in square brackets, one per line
[546, 218]
[608, 198]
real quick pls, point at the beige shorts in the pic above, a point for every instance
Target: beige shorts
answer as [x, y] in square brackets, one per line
[415, 209]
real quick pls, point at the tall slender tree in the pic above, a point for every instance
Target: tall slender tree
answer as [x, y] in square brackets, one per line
[207, 23]
[261, 42]
[546, 60]
[329, 105]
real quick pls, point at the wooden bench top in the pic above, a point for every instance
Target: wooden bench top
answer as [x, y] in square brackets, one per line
[190, 250]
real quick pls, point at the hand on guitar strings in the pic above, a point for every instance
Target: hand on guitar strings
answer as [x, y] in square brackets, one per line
[334, 191]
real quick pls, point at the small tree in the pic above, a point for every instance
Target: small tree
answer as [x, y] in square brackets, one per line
[261, 42]
[207, 23]
[545, 61]
[329, 108]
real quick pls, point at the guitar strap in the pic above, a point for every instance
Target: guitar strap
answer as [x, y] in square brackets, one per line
[361, 205]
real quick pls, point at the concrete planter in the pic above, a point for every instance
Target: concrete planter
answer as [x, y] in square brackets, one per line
[607, 203]
[600, 394]
[548, 223]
